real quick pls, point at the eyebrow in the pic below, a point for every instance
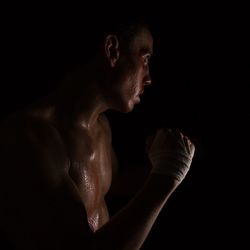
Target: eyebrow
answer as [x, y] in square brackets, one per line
[146, 51]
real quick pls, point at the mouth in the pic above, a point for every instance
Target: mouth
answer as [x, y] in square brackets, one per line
[141, 92]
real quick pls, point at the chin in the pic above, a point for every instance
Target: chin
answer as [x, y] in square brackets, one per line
[130, 105]
[125, 107]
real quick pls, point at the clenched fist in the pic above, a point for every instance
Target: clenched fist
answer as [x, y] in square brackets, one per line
[170, 153]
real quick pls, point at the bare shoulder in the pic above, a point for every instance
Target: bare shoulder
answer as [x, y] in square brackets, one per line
[29, 143]
[27, 129]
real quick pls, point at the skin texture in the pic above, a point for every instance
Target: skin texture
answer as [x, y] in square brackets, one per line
[57, 158]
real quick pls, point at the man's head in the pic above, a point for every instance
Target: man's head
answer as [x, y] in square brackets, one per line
[127, 64]
[117, 48]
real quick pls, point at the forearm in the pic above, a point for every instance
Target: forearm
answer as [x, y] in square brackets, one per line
[135, 176]
[129, 228]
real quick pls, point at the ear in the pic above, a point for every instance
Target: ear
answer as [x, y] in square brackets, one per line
[112, 49]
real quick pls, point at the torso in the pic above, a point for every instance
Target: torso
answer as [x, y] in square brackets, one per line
[90, 167]
[87, 161]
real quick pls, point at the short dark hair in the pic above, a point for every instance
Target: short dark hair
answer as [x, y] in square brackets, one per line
[57, 44]
[78, 40]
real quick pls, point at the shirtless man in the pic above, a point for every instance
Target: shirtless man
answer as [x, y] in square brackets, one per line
[57, 157]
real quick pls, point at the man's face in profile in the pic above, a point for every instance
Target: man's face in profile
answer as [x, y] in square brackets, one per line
[133, 70]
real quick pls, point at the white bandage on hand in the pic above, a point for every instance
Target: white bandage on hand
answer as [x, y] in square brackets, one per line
[170, 153]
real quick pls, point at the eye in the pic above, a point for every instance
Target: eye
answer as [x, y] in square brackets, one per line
[146, 59]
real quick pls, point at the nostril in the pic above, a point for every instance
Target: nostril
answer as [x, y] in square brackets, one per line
[148, 82]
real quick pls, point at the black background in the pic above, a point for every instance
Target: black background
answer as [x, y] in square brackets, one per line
[198, 87]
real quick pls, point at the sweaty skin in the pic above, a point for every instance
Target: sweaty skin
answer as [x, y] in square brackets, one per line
[73, 154]
[63, 142]
[90, 168]
[57, 159]
[86, 157]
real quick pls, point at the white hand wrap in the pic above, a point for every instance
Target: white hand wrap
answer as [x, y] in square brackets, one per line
[171, 154]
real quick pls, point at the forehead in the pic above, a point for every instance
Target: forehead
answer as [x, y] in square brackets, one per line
[143, 40]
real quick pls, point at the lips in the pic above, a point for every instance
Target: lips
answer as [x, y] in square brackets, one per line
[141, 92]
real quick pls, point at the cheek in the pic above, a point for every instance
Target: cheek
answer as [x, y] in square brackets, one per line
[132, 81]
[138, 79]
[133, 84]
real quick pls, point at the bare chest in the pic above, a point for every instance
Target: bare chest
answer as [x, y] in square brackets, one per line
[90, 166]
